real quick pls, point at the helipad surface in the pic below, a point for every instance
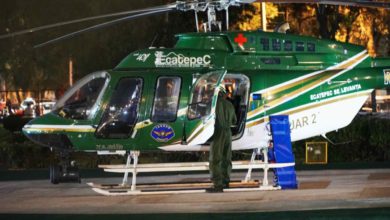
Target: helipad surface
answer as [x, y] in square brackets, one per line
[324, 189]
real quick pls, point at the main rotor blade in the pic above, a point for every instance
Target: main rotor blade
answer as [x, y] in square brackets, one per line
[358, 3]
[102, 25]
[117, 14]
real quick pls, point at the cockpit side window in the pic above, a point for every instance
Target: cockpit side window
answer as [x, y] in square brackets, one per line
[121, 114]
[166, 99]
[78, 103]
[202, 95]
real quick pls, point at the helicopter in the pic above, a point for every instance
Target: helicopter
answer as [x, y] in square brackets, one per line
[164, 99]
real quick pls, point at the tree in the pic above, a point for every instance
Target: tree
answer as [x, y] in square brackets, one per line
[251, 16]
[302, 19]
[368, 29]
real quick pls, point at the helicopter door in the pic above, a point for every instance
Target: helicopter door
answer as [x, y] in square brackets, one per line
[201, 110]
[121, 113]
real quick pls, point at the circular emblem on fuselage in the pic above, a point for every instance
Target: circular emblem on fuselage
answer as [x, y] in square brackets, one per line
[162, 133]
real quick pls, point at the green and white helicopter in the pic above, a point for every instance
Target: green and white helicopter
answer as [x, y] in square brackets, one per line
[164, 98]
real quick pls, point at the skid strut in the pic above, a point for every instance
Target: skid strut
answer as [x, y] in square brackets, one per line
[132, 155]
[266, 166]
[248, 176]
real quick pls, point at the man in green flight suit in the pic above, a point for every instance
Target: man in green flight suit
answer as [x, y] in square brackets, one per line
[221, 148]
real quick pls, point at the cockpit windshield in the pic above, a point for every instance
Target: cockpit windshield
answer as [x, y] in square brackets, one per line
[79, 102]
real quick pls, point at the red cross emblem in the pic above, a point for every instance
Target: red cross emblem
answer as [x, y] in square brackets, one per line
[240, 40]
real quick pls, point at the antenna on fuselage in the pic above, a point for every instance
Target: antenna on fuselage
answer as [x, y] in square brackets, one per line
[334, 143]
[154, 40]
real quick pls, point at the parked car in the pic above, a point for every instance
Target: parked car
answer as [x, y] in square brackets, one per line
[2, 104]
[16, 110]
[45, 106]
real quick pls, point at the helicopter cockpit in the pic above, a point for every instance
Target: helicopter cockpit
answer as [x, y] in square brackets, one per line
[79, 102]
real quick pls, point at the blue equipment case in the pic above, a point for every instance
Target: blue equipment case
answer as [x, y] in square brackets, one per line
[282, 152]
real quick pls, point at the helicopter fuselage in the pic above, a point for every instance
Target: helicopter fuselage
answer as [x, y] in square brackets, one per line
[164, 99]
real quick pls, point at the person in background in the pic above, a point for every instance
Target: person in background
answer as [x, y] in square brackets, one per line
[29, 111]
[8, 104]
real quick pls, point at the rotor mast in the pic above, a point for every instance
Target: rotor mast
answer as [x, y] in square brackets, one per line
[211, 7]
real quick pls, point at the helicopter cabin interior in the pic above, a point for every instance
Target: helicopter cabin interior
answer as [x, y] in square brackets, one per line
[237, 88]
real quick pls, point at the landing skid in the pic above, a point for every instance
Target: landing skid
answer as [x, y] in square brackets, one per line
[185, 188]
[247, 184]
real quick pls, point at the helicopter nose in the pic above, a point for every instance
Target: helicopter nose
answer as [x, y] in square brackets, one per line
[46, 136]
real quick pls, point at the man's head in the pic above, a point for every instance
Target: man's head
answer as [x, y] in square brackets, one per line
[222, 91]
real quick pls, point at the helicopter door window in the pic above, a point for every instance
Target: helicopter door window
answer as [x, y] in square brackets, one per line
[203, 92]
[79, 101]
[166, 99]
[121, 114]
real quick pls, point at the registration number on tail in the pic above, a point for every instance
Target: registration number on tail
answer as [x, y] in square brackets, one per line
[303, 121]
